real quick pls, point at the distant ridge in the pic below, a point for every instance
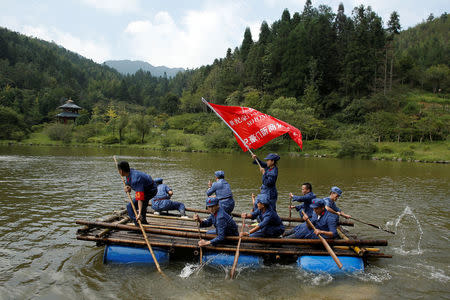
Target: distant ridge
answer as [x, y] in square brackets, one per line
[132, 66]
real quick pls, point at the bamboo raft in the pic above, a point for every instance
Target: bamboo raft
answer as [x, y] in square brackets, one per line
[180, 236]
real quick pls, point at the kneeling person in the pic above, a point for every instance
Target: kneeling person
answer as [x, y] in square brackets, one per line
[162, 202]
[270, 224]
[323, 220]
[224, 223]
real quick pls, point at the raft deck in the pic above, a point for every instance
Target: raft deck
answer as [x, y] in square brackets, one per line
[180, 236]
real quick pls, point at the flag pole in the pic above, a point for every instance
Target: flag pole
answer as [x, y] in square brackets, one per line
[207, 103]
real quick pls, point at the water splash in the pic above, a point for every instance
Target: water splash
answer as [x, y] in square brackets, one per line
[408, 228]
[188, 270]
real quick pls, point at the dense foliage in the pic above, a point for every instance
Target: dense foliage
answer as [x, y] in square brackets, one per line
[330, 74]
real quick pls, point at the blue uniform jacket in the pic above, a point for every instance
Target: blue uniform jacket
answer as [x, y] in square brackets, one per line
[306, 199]
[331, 204]
[269, 180]
[162, 196]
[224, 223]
[270, 224]
[141, 182]
[327, 222]
[223, 193]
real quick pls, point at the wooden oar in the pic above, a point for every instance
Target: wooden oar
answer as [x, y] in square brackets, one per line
[325, 243]
[140, 225]
[199, 238]
[236, 256]
[290, 209]
[373, 225]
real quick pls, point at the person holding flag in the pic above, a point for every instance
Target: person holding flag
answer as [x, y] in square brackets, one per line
[269, 171]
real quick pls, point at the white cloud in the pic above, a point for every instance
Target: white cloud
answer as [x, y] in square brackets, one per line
[197, 39]
[95, 50]
[114, 6]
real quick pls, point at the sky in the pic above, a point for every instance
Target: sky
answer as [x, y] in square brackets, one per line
[184, 33]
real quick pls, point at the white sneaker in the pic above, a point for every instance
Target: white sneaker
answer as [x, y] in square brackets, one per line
[156, 213]
[184, 217]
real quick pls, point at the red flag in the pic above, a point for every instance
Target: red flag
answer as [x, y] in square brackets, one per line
[252, 129]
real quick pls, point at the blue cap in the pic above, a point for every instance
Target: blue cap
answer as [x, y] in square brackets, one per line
[211, 201]
[273, 156]
[158, 180]
[219, 174]
[336, 190]
[317, 202]
[263, 199]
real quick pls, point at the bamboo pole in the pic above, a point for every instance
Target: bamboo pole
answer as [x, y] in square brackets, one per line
[324, 242]
[359, 251]
[236, 255]
[297, 251]
[105, 231]
[199, 238]
[140, 226]
[234, 238]
[341, 222]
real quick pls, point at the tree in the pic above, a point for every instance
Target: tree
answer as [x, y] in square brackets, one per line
[142, 124]
[393, 29]
[170, 104]
[122, 123]
[247, 43]
[436, 76]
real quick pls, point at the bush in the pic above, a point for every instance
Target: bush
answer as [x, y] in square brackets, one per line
[133, 139]
[59, 132]
[407, 153]
[110, 139]
[360, 146]
[386, 149]
[84, 132]
[315, 145]
[218, 136]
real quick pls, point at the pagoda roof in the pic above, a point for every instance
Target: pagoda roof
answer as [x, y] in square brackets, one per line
[70, 104]
[66, 114]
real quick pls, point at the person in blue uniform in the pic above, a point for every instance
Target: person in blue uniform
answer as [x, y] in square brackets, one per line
[144, 187]
[162, 202]
[222, 190]
[270, 224]
[269, 171]
[306, 198]
[330, 203]
[323, 220]
[223, 223]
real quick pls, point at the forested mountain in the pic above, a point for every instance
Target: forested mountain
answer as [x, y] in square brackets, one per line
[331, 74]
[132, 66]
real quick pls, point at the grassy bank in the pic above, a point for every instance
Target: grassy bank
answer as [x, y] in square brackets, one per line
[176, 140]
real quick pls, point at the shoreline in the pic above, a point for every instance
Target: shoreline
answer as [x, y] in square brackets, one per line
[304, 154]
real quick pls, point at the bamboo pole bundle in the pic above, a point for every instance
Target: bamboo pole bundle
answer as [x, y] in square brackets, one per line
[235, 238]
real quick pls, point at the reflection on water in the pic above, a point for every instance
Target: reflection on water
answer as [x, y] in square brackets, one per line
[45, 189]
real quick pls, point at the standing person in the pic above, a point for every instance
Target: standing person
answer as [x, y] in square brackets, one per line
[324, 221]
[222, 190]
[330, 203]
[162, 202]
[269, 171]
[307, 197]
[270, 224]
[144, 187]
[223, 223]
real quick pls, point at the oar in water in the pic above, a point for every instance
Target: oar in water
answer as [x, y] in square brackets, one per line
[325, 243]
[199, 238]
[290, 209]
[236, 256]
[373, 225]
[140, 225]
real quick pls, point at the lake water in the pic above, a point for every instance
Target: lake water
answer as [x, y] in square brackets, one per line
[44, 190]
